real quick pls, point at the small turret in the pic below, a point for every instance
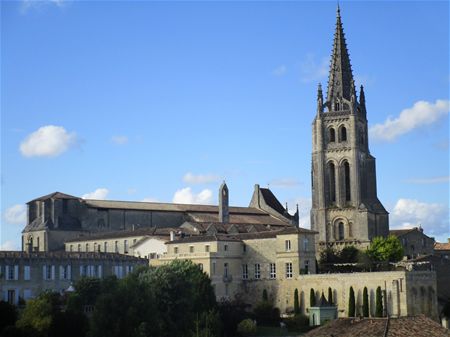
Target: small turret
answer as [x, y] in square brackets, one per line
[224, 215]
[362, 100]
[319, 99]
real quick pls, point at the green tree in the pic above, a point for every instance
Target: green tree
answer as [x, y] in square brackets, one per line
[296, 302]
[312, 298]
[387, 249]
[365, 303]
[351, 303]
[378, 303]
[8, 315]
[265, 297]
[246, 328]
[348, 254]
[330, 296]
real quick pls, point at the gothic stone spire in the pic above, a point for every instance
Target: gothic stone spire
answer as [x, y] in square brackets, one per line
[341, 78]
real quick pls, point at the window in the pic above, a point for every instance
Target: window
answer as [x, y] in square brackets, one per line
[273, 271]
[71, 248]
[244, 272]
[26, 273]
[64, 272]
[207, 248]
[307, 267]
[105, 247]
[213, 268]
[125, 246]
[175, 250]
[225, 269]
[191, 249]
[331, 135]
[288, 270]
[95, 246]
[225, 247]
[305, 244]
[12, 296]
[87, 247]
[48, 272]
[257, 271]
[79, 247]
[341, 231]
[331, 182]
[116, 246]
[347, 181]
[343, 134]
[287, 245]
[12, 273]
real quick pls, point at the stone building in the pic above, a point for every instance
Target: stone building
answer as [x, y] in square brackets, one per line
[24, 275]
[414, 241]
[57, 218]
[345, 207]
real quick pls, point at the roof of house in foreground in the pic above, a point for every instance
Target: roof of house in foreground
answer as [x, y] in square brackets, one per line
[417, 326]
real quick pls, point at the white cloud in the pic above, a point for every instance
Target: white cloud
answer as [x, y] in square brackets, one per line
[8, 245]
[16, 215]
[98, 194]
[432, 180]
[47, 141]
[313, 70]
[150, 199]
[280, 70]
[284, 183]
[119, 140]
[190, 178]
[28, 5]
[186, 196]
[433, 217]
[422, 113]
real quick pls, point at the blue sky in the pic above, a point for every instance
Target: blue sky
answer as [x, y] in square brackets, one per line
[163, 100]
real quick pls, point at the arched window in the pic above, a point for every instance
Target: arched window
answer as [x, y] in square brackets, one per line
[331, 135]
[341, 231]
[342, 134]
[347, 181]
[332, 182]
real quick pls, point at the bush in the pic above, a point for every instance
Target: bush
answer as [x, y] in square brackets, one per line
[365, 303]
[297, 322]
[296, 302]
[351, 303]
[330, 296]
[312, 298]
[247, 327]
[379, 303]
[265, 313]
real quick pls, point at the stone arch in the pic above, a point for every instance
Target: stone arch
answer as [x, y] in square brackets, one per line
[346, 180]
[331, 135]
[342, 133]
[340, 224]
[331, 174]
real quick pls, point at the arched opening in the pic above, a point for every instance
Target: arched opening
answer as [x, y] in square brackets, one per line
[341, 231]
[332, 182]
[343, 134]
[331, 135]
[347, 181]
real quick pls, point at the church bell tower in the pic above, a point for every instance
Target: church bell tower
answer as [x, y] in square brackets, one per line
[345, 207]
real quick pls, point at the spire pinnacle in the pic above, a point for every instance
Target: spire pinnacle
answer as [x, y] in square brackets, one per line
[341, 77]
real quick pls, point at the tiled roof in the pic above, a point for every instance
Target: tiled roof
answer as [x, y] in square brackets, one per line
[260, 218]
[442, 246]
[272, 200]
[417, 326]
[400, 232]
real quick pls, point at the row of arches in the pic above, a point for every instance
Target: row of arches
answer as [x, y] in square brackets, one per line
[338, 180]
[342, 134]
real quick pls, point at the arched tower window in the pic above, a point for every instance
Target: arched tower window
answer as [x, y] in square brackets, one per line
[347, 181]
[331, 135]
[332, 182]
[341, 230]
[342, 134]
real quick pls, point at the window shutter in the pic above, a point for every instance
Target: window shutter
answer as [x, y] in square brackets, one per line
[53, 272]
[61, 272]
[6, 272]
[16, 272]
[81, 271]
[69, 272]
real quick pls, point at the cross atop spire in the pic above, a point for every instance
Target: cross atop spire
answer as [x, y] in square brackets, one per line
[341, 78]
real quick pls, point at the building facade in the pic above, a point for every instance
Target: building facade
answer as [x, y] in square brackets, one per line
[345, 206]
[414, 241]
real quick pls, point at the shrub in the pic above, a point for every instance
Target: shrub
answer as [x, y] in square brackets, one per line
[330, 296]
[247, 327]
[379, 303]
[265, 313]
[312, 298]
[297, 322]
[296, 302]
[365, 303]
[351, 303]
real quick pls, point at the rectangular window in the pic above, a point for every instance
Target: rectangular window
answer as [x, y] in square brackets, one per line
[287, 245]
[225, 269]
[207, 248]
[105, 247]
[288, 270]
[191, 249]
[305, 245]
[273, 271]
[225, 247]
[12, 272]
[244, 272]
[213, 268]
[257, 271]
[26, 273]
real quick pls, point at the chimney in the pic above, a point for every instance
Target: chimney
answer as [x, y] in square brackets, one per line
[224, 216]
[172, 235]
